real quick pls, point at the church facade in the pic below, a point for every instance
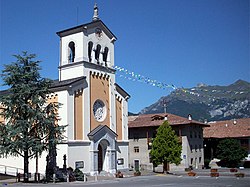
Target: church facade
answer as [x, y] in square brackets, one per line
[94, 107]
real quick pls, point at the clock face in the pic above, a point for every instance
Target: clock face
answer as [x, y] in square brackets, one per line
[99, 110]
[98, 33]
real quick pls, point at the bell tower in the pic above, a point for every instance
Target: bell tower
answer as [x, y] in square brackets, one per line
[85, 45]
[96, 107]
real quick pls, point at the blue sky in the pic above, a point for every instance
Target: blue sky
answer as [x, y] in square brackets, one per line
[180, 42]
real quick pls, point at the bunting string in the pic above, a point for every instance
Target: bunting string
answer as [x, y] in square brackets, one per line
[198, 92]
[130, 75]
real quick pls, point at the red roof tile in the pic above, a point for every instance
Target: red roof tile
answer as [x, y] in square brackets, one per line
[149, 120]
[228, 129]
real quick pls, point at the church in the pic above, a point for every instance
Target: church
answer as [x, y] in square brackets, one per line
[94, 107]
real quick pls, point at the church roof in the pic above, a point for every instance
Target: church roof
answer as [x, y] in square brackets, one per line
[151, 120]
[3, 92]
[58, 85]
[121, 91]
[83, 27]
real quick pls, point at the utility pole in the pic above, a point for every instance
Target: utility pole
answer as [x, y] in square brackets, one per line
[164, 104]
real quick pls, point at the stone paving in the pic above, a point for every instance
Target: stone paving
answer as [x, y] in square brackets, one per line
[223, 172]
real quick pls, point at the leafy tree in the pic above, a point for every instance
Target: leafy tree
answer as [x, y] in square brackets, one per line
[31, 122]
[230, 152]
[166, 147]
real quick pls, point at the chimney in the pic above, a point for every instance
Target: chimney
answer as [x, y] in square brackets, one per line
[166, 118]
[234, 122]
[189, 117]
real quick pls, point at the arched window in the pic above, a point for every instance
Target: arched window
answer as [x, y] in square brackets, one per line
[105, 55]
[90, 46]
[97, 53]
[71, 54]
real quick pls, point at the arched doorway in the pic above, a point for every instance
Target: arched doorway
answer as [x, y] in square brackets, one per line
[103, 156]
[71, 53]
[100, 158]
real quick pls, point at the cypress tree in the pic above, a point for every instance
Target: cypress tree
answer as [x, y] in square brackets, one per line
[166, 148]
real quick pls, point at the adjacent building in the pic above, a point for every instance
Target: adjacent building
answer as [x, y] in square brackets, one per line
[143, 129]
[236, 128]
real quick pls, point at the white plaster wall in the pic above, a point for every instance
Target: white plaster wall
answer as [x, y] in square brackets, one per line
[76, 70]
[79, 151]
[143, 155]
[62, 149]
[123, 153]
[112, 104]
[62, 112]
[17, 162]
[196, 154]
[185, 152]
[125, 119]
[86, 108]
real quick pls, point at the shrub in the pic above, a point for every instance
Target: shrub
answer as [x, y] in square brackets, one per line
[79, 176]
[137, 173]
[214, 170]
[214, 174]
[191, 173]
[239, 175]
[119, 174]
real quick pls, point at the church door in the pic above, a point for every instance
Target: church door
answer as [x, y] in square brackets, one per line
[100, 158]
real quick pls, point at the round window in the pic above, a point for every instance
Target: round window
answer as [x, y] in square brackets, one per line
[99, 110]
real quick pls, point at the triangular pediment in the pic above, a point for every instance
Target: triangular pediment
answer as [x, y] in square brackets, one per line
[85, 27]
[101, 131]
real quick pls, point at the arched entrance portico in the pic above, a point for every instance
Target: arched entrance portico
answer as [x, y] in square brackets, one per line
[103, 150]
